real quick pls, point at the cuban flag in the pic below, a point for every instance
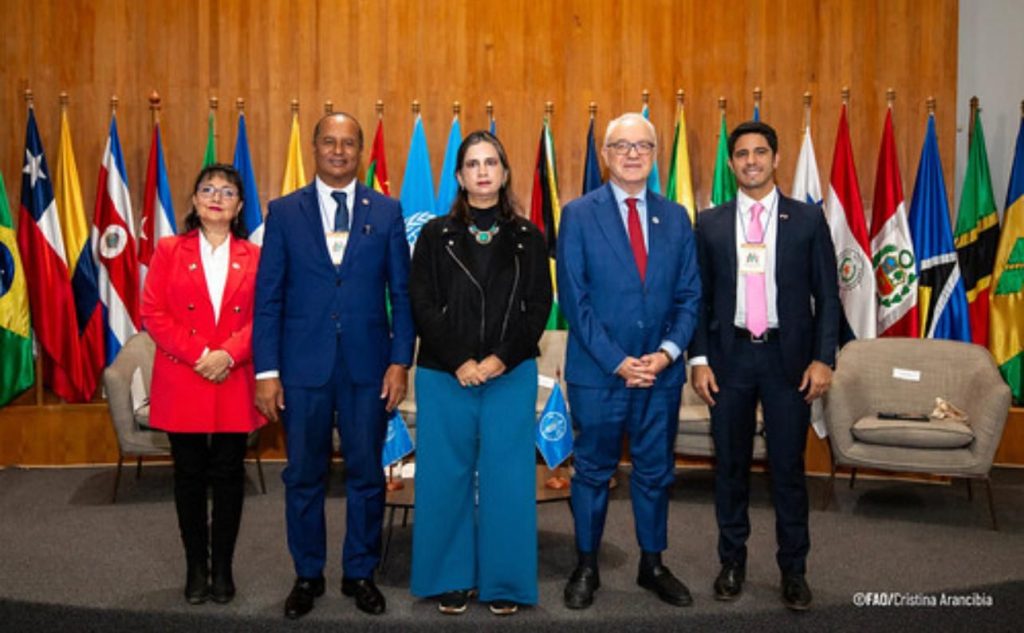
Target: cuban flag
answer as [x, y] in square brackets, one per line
[41, 243]
[554, 431]
[113, 244]
[157, 209]
[417, 185]
[397, 442]
[844, 210]
[252, 213]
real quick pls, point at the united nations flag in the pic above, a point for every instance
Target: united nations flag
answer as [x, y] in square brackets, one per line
[554, 431]
[397, 442]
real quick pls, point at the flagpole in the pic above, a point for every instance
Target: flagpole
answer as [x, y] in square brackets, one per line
[970, 121]
[844, 94]
[154, 107]
[378, 108]
[489, 108]
[328, 107]
[807, 110]
[549, 111]
[555, 481]
[30, 103]
[757, 100]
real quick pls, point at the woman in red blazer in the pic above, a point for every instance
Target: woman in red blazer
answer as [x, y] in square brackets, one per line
[197, 305]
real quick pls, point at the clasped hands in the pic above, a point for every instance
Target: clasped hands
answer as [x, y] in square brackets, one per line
[214, 365]
[815, 381]
[641, 372]
[473, 374]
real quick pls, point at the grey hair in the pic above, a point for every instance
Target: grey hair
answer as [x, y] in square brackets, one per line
[629, 117]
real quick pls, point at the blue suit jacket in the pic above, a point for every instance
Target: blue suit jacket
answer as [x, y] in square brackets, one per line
[303, 302]
[805, 269]
[611, 312]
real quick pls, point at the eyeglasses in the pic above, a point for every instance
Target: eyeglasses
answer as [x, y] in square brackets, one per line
[622, 148]
[226, 193]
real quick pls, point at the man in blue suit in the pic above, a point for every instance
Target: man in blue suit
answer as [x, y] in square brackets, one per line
[629, 289]
[326, 354]
[767, 332]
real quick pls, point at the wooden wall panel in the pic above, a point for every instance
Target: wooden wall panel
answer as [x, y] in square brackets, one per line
[518, 54]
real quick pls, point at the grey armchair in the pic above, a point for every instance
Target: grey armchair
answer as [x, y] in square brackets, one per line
[129, 412]
[902, 375]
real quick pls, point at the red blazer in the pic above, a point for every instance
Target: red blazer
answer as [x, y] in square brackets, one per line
[177, 312]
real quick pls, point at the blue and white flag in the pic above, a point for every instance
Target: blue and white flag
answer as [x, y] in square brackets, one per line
[942, 300]
[448, 186]
[554, 430]
[807, 179]
[417, 185]
[397, 442]
[252, 213]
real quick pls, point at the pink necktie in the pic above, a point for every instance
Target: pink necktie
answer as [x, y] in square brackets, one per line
[757, 309]
[636, 237]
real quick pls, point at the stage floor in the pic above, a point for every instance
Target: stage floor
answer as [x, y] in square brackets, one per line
[72, 561]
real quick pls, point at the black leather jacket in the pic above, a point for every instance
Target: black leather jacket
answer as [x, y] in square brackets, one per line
[462, 313]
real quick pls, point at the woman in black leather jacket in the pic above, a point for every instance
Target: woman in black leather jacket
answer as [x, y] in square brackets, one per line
[480, 287]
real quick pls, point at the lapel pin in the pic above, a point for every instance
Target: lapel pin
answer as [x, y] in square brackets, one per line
[783, 216]
[365, 201]
[655, 220]
[192, 266]
[238, 309]
[236, 266]
[367, 229]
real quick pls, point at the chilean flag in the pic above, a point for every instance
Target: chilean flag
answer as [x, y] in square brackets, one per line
[157, 209]
[845, 213]
[41, 243]
[113, 243]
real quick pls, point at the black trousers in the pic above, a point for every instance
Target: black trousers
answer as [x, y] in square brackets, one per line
[203, 461]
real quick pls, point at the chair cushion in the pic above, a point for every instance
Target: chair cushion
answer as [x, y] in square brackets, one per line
[912, 434]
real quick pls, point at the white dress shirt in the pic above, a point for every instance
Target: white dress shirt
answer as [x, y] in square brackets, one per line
[215, 268]
[328, 206]
[770, 223]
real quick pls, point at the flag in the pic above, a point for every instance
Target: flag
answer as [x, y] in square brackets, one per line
[210, 156]
[892, 249]
[252, 212]
[447, 185]
[377, 172]
[67, 191]
[17, 371]
[417, 184]
[41, 244]
[157, 209]
[546, 211]
[807, 179]
[653, 178]
[397, 442]
[493, 127]
[941, 300]
[723, 182]
[294, 173]
[1006, 317]
[977, 233]
[554, 432]
[844, 211]
[757, 112]
[113, 246]
[591, 168]
[680, 182]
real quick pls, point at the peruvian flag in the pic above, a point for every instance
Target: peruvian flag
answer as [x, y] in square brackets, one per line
[41, 243]
[845, 213]
[893, 251]
[113, 243]
[157, 209]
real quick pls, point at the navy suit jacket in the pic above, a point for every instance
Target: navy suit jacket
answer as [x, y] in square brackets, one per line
[805, 269]
[304, 303]
[612, 314]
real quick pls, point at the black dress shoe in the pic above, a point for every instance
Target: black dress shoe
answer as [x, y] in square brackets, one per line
[729, 583]
[668, 588]
[222, 587]
[197, 584]
[579, 591]
[300, 600]
[796, 595]
[369, 599]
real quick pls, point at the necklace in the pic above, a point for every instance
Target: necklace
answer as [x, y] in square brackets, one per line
[483, 236]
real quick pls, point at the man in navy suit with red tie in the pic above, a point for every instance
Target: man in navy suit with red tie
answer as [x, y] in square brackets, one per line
[767, 332]
[327, 354]
[629, 288]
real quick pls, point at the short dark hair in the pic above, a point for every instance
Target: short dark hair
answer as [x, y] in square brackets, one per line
[506, 201]
[230, 174]
[345, 115]
[754, 127]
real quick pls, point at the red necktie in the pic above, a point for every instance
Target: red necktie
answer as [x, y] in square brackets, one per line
[636, 237]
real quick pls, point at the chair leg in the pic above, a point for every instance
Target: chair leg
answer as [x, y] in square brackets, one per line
[387, 538]
[830, 486]
[259, 471]
[991, 504]
[853, 477]
[138, 468]
[117, 478]
[970, 491]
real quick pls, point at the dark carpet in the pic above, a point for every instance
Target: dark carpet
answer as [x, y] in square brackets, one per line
[71, 561]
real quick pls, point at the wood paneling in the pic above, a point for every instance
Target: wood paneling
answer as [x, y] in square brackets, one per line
[518, 54]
